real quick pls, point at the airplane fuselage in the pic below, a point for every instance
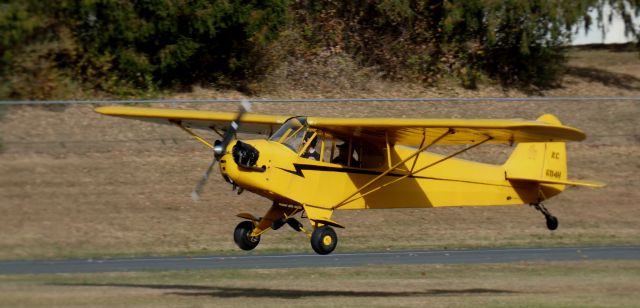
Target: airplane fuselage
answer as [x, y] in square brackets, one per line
[285, 177]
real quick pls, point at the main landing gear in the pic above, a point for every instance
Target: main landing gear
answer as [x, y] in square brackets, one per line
[323, 239]
[552, 221]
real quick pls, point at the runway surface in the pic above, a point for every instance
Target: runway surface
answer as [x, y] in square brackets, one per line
[471, 256]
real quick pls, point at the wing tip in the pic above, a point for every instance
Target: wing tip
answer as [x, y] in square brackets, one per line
[571, 133]
[579, 135]
[106, 110]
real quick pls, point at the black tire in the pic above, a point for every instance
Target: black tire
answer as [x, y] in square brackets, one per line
[242, 237]
[324, 240]
[552, 223]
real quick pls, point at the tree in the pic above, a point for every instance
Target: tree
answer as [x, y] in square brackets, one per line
[124, 46]
[517, 42]
[171, 43]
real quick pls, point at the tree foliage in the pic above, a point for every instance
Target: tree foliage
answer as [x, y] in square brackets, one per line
[120, 46]
[173, 42]
[516, 42]
[149, 43]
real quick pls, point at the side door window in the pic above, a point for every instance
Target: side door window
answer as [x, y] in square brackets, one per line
[344, 153]
[357, 153]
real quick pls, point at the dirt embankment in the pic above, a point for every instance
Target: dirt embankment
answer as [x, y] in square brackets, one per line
[74, 183]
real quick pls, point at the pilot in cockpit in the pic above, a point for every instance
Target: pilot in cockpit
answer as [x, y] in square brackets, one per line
[311, 152]
[343, 156]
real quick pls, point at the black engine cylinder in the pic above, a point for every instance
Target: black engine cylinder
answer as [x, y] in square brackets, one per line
[245, 155]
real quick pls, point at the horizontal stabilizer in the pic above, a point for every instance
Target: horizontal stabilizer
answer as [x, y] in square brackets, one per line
[562, 182]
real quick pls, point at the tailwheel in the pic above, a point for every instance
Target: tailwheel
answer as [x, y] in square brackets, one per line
[552, 221]
[242, 236]
[324, 240]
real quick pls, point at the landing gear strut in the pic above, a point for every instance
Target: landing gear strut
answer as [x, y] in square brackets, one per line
[247, 234]
[552, 221]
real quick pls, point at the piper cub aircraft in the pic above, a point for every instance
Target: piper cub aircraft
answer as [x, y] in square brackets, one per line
[313, 166]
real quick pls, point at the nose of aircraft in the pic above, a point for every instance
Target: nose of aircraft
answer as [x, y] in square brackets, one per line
[245, 165]
[242, 157]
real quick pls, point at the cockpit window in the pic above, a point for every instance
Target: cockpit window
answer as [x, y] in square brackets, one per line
[312, 143]
[356, 153]
[291, 133]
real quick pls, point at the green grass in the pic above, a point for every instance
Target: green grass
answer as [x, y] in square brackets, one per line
[555, 284]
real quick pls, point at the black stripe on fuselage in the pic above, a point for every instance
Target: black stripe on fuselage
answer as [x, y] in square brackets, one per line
[299, 168]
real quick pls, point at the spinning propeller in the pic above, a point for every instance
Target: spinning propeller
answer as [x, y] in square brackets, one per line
[220, 147]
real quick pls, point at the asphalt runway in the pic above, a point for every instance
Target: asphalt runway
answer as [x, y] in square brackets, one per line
[471, 256]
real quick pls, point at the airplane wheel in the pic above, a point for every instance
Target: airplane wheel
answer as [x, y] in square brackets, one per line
[242, 237]
[324, 240]
[552, 222]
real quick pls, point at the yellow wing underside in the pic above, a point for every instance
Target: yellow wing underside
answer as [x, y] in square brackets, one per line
[251, 123]
[398, 131]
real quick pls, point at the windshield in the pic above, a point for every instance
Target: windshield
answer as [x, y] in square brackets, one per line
[291, 133]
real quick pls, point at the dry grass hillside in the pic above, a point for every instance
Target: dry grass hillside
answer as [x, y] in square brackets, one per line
[74, 183]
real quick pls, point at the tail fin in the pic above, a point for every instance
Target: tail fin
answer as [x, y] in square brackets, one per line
[542, 162]
[538, 160]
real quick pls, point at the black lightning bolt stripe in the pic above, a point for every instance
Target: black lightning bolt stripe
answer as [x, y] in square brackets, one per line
[299, 168]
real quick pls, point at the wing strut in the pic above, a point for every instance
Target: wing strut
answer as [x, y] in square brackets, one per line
[415, 154]
[190, 132]
[349, 200]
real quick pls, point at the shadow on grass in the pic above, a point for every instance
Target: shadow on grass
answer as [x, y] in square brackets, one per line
[618, 80]
[233, 292]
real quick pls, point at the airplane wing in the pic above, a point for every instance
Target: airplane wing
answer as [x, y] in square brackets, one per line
[466, 131]
[251, 123]
[397, 130]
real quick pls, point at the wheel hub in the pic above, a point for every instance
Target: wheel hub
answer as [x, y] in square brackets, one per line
[327, 240]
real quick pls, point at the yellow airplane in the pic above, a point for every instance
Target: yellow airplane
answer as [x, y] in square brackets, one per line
[313, 166]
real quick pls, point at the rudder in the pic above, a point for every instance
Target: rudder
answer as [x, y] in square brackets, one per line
[544, 162]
